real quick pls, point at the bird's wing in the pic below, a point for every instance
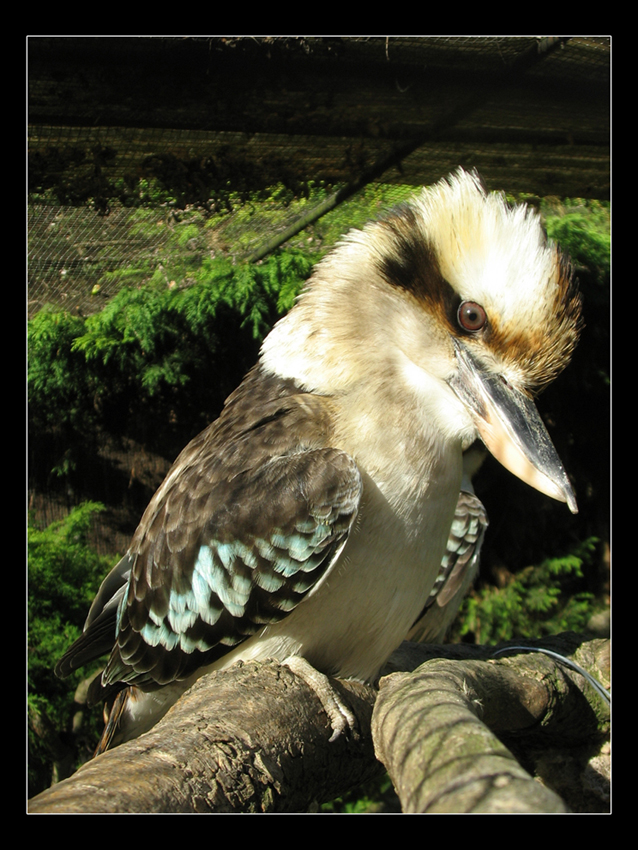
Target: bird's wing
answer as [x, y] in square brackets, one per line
[457, 573]
[249, 520]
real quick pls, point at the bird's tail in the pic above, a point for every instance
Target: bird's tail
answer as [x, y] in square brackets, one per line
[116, 710]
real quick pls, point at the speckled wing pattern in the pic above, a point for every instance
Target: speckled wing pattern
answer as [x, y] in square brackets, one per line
[248, 521]
[459, 567]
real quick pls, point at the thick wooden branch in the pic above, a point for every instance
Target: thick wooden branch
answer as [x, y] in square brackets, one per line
[251, 739]
[256, 739]
[436, 728]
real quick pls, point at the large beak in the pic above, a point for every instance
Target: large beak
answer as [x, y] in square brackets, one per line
[510, 426]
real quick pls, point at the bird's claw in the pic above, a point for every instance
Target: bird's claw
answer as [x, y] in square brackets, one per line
[342, 720]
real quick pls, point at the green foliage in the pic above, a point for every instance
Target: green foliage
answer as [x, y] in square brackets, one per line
[57, 378]
[144, 329]
[157, 358]
[64, 575]
[582, 228]
[64, 396]
[374, 796]
[372, 202]
[539, 600]
[134, 335]
[60, 562]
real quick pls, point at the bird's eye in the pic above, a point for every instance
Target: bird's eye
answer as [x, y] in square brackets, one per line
[471, 316]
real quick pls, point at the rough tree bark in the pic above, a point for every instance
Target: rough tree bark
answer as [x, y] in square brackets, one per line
[255, 738]
[442, 730]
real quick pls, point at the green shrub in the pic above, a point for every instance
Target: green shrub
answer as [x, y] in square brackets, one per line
[539, 600]
[64, 575]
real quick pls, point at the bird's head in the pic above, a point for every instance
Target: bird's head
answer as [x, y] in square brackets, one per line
[456, 299]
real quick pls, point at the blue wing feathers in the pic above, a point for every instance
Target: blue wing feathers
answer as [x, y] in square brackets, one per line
[247, 522]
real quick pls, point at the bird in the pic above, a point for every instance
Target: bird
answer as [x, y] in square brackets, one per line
[308, 524]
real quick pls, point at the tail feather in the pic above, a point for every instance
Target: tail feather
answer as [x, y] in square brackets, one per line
[112, 734]
[100, 628]
[92, 644]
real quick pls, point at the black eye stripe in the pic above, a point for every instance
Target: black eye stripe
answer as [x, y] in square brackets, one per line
[471, 316]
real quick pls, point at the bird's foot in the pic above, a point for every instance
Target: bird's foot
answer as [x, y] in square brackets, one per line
[341, 717]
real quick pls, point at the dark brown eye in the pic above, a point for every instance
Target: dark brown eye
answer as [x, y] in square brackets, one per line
[471, 316]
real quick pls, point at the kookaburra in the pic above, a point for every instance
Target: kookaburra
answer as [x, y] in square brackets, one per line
[311, 519]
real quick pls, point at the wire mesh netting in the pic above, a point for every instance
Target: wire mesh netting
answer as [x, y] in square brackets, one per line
[78, 259]
[143, 149]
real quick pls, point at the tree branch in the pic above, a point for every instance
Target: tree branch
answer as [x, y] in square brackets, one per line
[250, 739]
[255, 738]
[436, 729]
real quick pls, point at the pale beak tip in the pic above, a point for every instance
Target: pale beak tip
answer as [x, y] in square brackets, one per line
[571, 502]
